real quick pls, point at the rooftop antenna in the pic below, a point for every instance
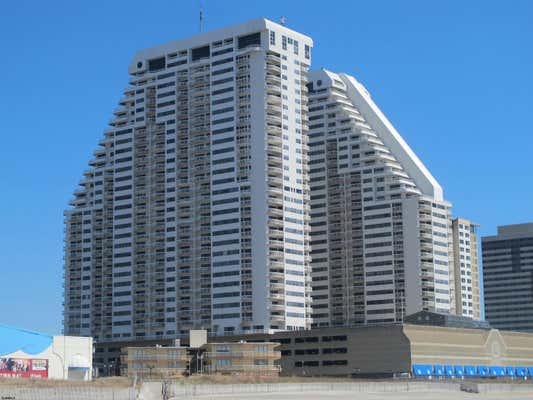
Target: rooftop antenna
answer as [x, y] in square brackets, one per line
[201, 17]
[283, 20]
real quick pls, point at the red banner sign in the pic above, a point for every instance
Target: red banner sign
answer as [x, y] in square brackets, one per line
[23, 368]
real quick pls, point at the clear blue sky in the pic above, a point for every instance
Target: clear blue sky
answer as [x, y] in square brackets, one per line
[454, 77]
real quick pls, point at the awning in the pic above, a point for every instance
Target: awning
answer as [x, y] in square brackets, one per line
[448, 369]
[79, 363]
[497, 371]
[439, 370]
[422, 370]
[470, 370]
[482, 370]
[459, 370]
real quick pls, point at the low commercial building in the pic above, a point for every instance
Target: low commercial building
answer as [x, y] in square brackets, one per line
[27, 354]
[431, 343]
[394, 350]
[155, 361]
[236, 358]
[241, 358]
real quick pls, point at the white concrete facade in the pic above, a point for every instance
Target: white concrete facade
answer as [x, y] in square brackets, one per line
[380, 228]
[194, 212]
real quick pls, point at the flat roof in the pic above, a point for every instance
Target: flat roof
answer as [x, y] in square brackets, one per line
[251, 26]
[514, 231]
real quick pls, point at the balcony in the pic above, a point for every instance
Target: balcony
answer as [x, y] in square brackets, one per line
[274, 139]
[275, 233]
[275, 161]
[273, 99]
[276, 80]
[274, 150]
[275, 222]
[120, 120]
[277, 296]
[271, 58]
[274, 119]
[273, 89]
[273, 67]
[273, 109]
[275, 191]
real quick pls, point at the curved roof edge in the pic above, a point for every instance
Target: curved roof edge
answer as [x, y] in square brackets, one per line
[16, 339]
[392, 138]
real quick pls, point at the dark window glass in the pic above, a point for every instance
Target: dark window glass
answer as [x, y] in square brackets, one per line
[250, 40]
[156, 64]
[199, 53]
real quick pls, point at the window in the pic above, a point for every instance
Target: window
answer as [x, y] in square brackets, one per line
[222, 349]
[156, 64]
[311, 364]
[250, 40]
[199, 53]
[307, 50]
[296, 47]
[284, 42]
[272, 38]
[334, 362]
[223, 51]
[223, 363]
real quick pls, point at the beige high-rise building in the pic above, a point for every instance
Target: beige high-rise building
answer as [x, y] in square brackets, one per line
[467, 298]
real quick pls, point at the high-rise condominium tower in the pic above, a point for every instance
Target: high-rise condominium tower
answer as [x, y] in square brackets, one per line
[380, 228]
[193, 212]
[465, 252]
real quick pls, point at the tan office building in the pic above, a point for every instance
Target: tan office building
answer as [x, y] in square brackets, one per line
[148, 362]
[236, 358]
[467, 277]
[241, 358]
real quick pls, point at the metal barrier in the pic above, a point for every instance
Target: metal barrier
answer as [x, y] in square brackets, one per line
[66, 393]
[188, 391]
[177, 390]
